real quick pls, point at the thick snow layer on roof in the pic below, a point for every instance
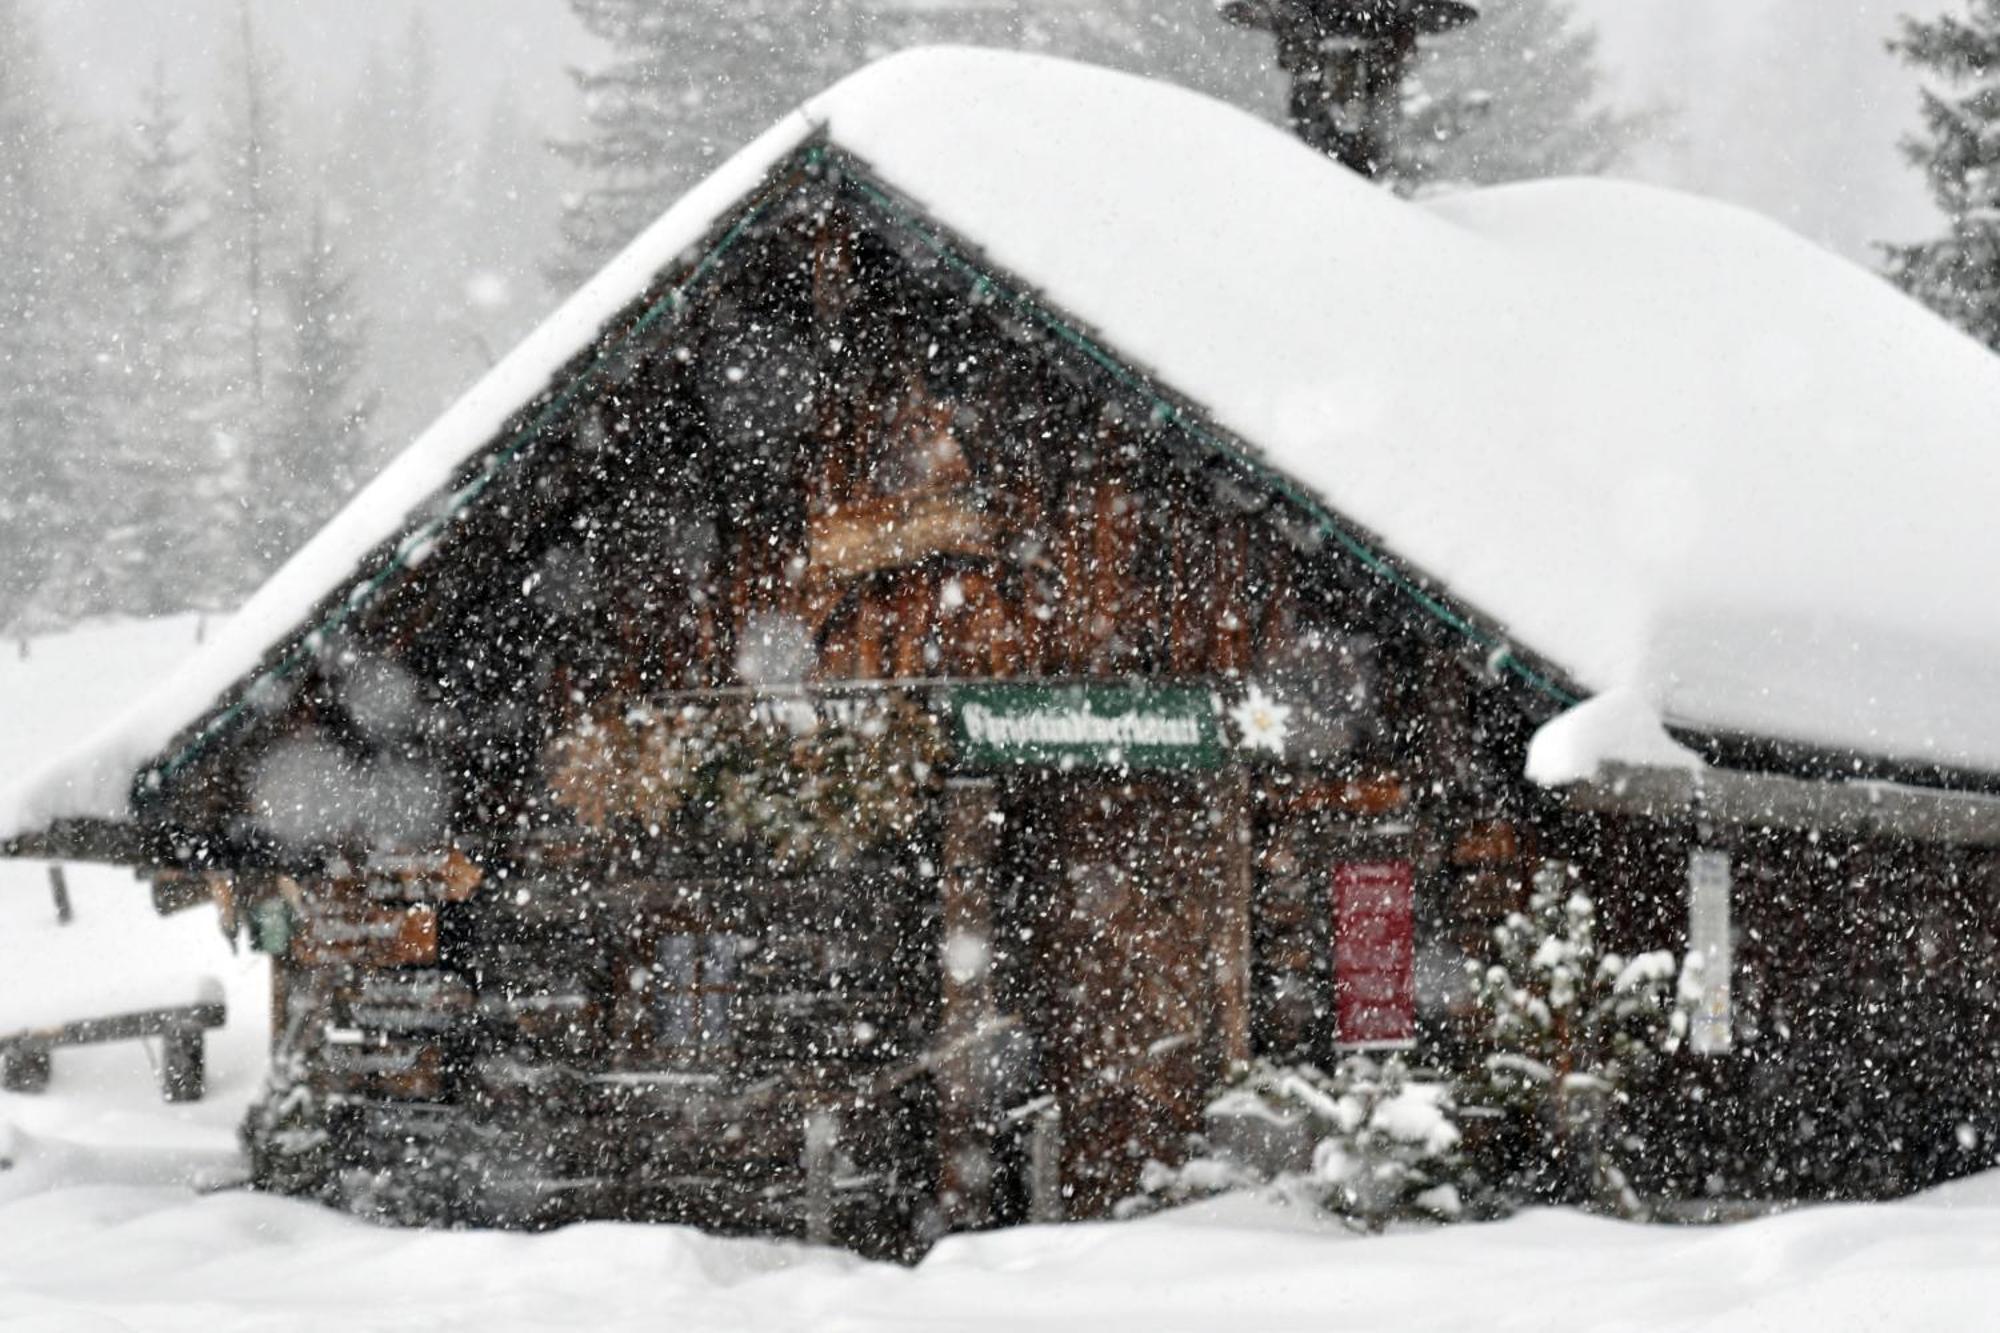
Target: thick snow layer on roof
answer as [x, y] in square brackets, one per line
[56, 689]
[1618, 727]
[1669, 446]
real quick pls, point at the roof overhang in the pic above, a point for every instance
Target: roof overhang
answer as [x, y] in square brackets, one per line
[1770, 801]
[98, 840]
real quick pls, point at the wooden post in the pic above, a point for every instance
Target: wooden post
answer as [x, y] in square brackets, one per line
[59, 889]
[822, 1138]
[24, 1067]
[1230, 942]
[183, 1065]
[964, 1071]
[1045, 1196]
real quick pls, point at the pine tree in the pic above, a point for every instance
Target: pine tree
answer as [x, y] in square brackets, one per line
[1957, 274]
[397, 184]
[1518, 95]
[156, 460]
[1570, 1028]
[508, 207]
[688, 84]
[318, 416]
[652, 116]
[1381, 1144]
[255, 187]
[44, 403]
[250, 244]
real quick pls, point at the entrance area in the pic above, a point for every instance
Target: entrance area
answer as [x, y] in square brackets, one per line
[1124, 918]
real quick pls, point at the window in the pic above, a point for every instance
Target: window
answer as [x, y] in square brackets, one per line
[692, 986]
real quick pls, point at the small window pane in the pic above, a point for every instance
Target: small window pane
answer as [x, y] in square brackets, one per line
[673, 960]
[673, 1015]
[714, 1017]
[723, 951]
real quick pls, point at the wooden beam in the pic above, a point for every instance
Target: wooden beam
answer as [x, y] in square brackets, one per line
[1765, 800]
[965, 1073]
[125, 1027]
[25, 1057]
[96, 840]
[1234, 882]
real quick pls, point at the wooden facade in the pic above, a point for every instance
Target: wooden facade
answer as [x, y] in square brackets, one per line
[626, 855]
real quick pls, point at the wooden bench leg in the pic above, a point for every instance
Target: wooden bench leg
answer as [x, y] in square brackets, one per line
[24, 1068]
[183, 1066]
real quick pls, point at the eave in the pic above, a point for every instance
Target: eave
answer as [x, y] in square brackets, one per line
[94, 840]
[1861, 809]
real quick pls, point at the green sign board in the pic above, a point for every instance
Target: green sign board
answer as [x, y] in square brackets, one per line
[1087, 726]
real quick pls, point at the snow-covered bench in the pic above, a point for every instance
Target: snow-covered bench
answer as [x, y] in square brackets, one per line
[25, 1056]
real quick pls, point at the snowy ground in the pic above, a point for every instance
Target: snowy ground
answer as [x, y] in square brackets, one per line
[127, 1257]
[110, 1220]
[115, 1211]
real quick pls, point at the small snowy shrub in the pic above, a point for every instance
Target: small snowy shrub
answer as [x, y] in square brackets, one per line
[1566, 1030]
[1384, 1145]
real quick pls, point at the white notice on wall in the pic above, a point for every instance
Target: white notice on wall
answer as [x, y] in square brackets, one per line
[1708, 939]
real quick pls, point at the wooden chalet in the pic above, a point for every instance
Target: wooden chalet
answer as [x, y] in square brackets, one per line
[829, 741]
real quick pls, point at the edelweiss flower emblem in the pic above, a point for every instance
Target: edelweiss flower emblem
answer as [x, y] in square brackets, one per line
[1262, 723]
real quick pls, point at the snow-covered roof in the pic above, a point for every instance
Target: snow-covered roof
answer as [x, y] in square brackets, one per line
[58, 688]
[1672, 448]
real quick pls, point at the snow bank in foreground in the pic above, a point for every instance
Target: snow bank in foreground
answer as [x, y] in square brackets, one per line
[119, 1258]
[1664, 443]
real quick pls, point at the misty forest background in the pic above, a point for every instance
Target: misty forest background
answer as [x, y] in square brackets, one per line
[225, 303]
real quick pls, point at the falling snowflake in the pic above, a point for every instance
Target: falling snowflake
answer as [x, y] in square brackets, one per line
[1262, 723]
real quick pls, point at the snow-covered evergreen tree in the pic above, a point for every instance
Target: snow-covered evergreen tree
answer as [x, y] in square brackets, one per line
[45, 409]
[1384, 1145]
[255, 179]
[157, 459]
[686, 84]
[509, 203]
[1516, 96]
[1957, 274]
[252, 241]
[395, 188]
[316, 445]
[1569, 1028]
